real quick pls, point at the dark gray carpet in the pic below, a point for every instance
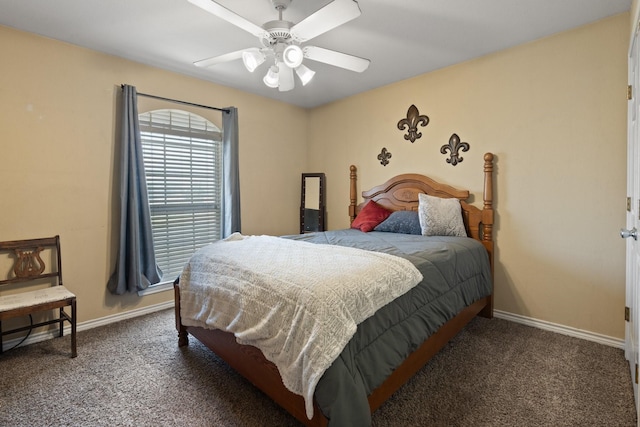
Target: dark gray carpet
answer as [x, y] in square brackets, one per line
[494, 373]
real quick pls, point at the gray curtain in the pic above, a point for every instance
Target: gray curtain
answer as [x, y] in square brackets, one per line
[136, 266]
[231, 178]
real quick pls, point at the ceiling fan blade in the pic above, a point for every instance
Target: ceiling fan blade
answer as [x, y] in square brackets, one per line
[327, 18]
[230, 16]
[337, 59]
[286, 82]
[231, 56]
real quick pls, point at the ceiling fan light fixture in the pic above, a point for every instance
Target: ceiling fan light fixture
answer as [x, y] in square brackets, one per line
[292, 56]
[252, 59]
[305, 74]
[272, 78]
[281, 41]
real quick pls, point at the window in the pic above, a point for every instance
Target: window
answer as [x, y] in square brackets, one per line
[183, 166]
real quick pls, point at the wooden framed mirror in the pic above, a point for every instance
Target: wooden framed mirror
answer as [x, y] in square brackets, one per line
[312, 205]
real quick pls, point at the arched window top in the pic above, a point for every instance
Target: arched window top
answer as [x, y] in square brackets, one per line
[183, 158]
[178, 122]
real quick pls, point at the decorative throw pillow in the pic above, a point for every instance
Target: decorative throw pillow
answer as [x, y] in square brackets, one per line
[369, 216]
[405, 222]
[440, 217]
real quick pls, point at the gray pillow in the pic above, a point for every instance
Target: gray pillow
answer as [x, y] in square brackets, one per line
[440, 217]
[405, 222]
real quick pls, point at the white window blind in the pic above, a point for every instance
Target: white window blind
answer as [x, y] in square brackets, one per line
[183, 166]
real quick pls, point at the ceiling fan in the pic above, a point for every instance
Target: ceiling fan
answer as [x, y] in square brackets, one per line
[283, 42]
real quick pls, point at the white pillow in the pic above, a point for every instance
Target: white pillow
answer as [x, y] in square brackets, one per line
[440, 217]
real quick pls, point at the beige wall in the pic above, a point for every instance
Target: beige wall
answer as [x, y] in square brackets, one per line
[554, 113]
[58, 114]
[634, 15]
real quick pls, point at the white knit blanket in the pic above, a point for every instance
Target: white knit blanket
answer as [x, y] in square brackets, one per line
[298, 302]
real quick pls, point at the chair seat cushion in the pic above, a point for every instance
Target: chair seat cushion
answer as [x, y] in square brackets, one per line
[32, 298]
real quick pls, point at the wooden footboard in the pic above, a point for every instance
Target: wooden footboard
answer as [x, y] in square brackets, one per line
[249, 361]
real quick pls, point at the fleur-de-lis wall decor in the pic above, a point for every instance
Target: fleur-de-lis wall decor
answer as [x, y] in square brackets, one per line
[453, 147]
[411, 124]
[384, 157]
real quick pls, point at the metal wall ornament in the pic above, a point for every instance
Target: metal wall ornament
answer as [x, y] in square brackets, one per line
[411, 123]
[453, 147]
[384, 157]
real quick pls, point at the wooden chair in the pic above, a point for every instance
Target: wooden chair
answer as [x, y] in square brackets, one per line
[29, 270]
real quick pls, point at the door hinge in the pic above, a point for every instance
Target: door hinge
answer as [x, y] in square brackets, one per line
[627, 314]
[629, 92]
[628, 204]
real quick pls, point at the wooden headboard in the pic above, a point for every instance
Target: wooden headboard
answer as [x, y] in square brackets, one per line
[401, 193]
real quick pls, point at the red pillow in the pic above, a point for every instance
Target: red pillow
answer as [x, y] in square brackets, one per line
[370, 216]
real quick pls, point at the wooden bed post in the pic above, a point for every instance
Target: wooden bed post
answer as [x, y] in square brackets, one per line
[487, 215]
[352, 192]
[183, 336]
[487, 224]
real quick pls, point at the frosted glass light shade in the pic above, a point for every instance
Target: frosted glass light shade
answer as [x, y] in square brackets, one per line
[292, 56]
[272, 78]
[305, 74]
[252, 58]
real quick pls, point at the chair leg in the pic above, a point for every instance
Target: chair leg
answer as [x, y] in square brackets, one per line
[61, 323]
[1, 341]
[74, 351]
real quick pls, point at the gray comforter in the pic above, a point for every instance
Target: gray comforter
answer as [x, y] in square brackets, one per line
[456, 273]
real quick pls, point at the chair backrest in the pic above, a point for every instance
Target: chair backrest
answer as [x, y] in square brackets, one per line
[28, 263]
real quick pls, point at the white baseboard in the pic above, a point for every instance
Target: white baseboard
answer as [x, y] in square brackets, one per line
[560, 329]
[90, 324]
[529, 321]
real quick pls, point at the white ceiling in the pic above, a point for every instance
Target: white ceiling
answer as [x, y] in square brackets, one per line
[402, 38]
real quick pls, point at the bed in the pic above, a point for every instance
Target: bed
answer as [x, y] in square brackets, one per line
[363, 377]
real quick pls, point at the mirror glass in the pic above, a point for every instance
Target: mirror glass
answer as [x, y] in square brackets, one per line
[312, 207]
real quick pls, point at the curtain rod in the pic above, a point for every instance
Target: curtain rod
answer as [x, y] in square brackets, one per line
[226, 110]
